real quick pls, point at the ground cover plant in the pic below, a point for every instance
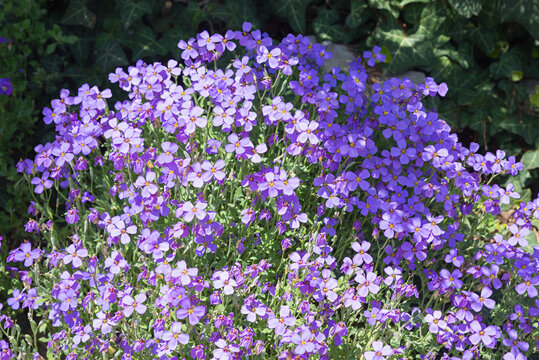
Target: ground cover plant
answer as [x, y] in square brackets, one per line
[243, 204]
[485, 50]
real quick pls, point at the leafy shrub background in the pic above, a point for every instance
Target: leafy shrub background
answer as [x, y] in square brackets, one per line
[486, 51]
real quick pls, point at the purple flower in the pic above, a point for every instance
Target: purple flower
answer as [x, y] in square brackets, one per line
[451, 279]
[135, 304]
[42, 183]
[285, 318]
[435, 321]
[530, 286]
[26, 254]
[175, 336]
[16, 297]
[190, 210]
[362, 255]
[225, 351]
[5, 86]
[482, 333]
[103, 323]
[380, 351]
[302, 338]
[74, 255]
[483, 299]
[367, 284]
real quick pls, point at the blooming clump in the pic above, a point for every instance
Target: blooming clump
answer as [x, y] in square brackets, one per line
[243, 204]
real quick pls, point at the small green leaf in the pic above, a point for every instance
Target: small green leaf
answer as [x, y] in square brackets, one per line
[530, 159]
[516, 75]
[78, 14]
[466, 8]
[294, 11]
[50, 48]
[131, 11]
[534, 98]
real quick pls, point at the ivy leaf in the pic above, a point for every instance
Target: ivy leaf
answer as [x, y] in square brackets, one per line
[507, 63]
[110, 55]
[466, 8]
[131, 11]
[526, 128]
[406, 2]
[324, 26]
[145, 45]
[354, 18]
[530, 159]
[192, 15]
[80, 50]
[459, 82]
[483, 39]
[294, 11]
[490, 14]
[78, 14]
[432, 16]
[235, 12]
[407, 50]
[385, 5]
[525, 12]
[171, 38]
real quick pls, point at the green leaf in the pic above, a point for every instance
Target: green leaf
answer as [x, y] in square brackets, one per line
[50, 48]
[191, 15]
[516, 75]
[110, 55]
[490, 14]
[324, 26]
[466, 8]
[530, 159]
[145, 44]
[385, 5]
[78, 14]
[460, 83]
[460, 55]
[525, 12]
[527, 129]
[407, 49]
[432, 16]
[534, 98]
[403, 3]
[235, 12]
[131, 10]
[294, 11]
[483, 39]
[507, 63]
[355, 18]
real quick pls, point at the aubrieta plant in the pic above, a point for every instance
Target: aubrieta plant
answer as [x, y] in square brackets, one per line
[244, 204]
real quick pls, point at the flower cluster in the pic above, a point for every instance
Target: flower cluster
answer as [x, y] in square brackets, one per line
[246, 204]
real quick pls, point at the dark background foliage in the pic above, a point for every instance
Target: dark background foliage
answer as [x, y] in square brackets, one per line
[485, 50]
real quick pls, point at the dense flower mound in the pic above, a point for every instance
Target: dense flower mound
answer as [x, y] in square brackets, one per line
[243, 204]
